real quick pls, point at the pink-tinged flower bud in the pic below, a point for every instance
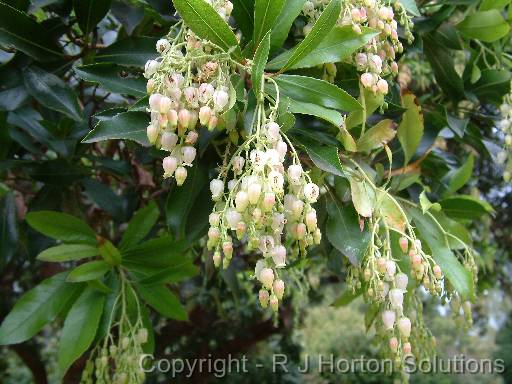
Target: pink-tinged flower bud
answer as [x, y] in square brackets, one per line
[180, 175]
[390, 268]
[217, 189]
[172, 118]
[375, 63]
[383, 13]
[220, 99]
[274, 303]
[165, 104]
[256, 215]
[177, 80]
[227, 249]
[193, 120]
[237, 164]
[273, 131]
[154, 101]
[404, 244]
[162, 45]
[168, 141]
[175, 93]
[367, 80]
[295, 173]
[311, 192]
[393, 344]
[404, 325]
[170, 163]
[205, 92]
[406, 347]
[356, 15]
[152, 133]
[301, 231]
[184, 118]
[416, 259]
[361, 60]
[241, 229]
[437, 271]
[212, 123]
[263, 297]
[401, 281]
[388, 319]
[279, 288]
[204, 115]
[396, 297]
[269, 200]
[279, 256]
[216, 259]
[382, 86]
[317, 236]
[276, 181]
[150, 86]
[214, 219]
[213, 235]
[282, 149]
[233, 218]
[191, 138]
[241, 201]
[190, 94]
[311, 220]
[296, 209]
[266, 277]
[254, 192]
[381, 265]
[150, 68]
[188, 155]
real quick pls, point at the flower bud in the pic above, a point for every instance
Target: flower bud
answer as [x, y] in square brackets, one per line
[258, 159]
[164, 105]
[180, 175]
[238, 164]
[152, 133]
[404, 325]
[282, 149]
[150, 68]
[393, 344]
[169, 141]
[388, 319]
[162, 45]
[279, 256]
[188, 154]
[394, 67]
[233, 218]
[311, 220]
[401, 281]
[266, 277]
[404, 244]
[205, 92]
[184, 118]
[191, 138]
[154, 101]
[295, 173]
[254, 192]
[193, 120]
[217, 189]
[241, 229]
[311, 192]
[273, 131]
[274, 303]
[172, 118]
[437, 271]
[170, 163]
[214, 219]
[382, 86]
[367, 80]
[269, 201]
[263, 297]
[317, 236]
[190, 94]
[390, 268]
[241, 201]
[212, 123]
[301, 231]
[220, 99]
[396, 297]
[150, 86]
[216, 259]
[142, 336]
[279, 288]
[406, 347]
[204, 115]
[276, 181]
[227, 249]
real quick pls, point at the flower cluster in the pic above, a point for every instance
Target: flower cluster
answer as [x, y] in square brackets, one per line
[264, 204]
[377, 58]
[188, 84]
[505, 126]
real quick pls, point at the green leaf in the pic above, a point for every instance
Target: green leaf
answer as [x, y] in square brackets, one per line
[266, 13]
[426, 204]
[302, 108]
[80, 327]
[243, 13]
[492, 85]
[493, 4]
[410, 6]
[105, 198]
[344, 232]
[322, 27]
[457, 178]
[315, 91]
[284, 22]
[410, 130]
[258, 65]
[88, 271]
[363, 197]
[465, 207]
[345, 298]
[140, 225]
[340, 43]
[325, 157]
[109, 252]
[370, 105]
[112, 78]
[68, 252]
[19, 30]
[52, 92]
[172, 274]
[206, 23]
[127, 126]
[9, 237]
[36, 308]
[90, 12]
[61, 226]
[160, 298]
[486, 26]
[459, 277]
[378, 135]
[134, 51]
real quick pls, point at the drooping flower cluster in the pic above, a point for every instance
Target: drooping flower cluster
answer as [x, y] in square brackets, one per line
[188, 84]
[505, 126]
[376, 59]
[264, 204]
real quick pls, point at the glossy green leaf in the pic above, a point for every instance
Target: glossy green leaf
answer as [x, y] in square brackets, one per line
[134, 51]
[90, 12]
[322, 27]
[172, 274]
[410, 130]
[88, 271]
[80, 327]
[52, 92]
[258, 65]
[19, 30]
[68, 252]
[206, 23]
[294, 106]
[127, 125]
[281, 28]
[370, 103]
[486, 26]
[457, 178]
[363, 197]
[339, 44]
[344, 232]
[465, 207]
[493, 4]
[161, 299]
[378, 135]
[315, 91]
[266, 13]
[61, 226]
[109, 252]
[36, 308]
[112, 78]
[492, 85]
[140, 225]
[243, 13]
[411, 7]
[324, 157]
